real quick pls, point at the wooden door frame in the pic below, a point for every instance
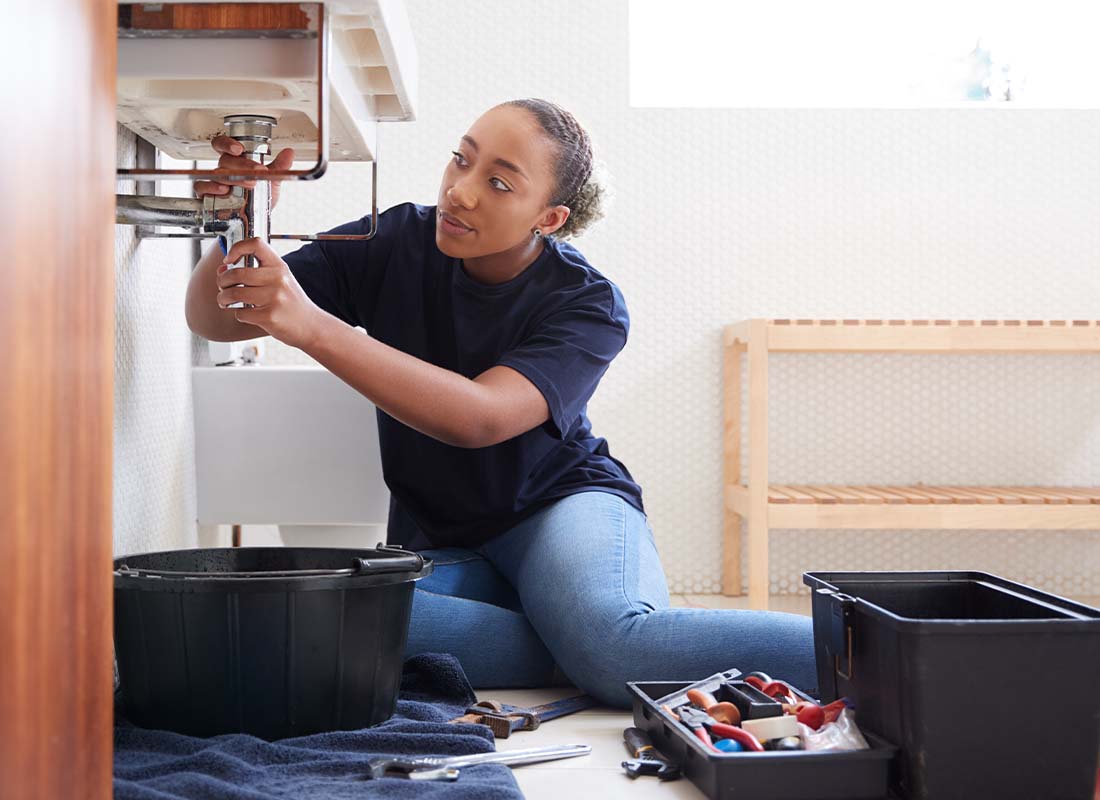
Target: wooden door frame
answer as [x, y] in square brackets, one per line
[57, 287]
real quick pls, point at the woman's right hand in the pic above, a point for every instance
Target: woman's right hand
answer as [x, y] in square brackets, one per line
[231, 158]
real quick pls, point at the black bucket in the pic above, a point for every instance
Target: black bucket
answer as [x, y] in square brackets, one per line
[271, 641]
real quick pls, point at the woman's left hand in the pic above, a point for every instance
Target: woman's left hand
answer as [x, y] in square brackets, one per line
[280, 306]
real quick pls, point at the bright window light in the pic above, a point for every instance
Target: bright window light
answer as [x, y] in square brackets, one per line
[859, 53]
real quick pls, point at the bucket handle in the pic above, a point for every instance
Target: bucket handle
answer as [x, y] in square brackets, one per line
[841, 609]
[402, 561]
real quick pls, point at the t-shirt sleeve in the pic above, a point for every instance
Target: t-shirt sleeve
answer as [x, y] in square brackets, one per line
[568, 352]
[343, 277]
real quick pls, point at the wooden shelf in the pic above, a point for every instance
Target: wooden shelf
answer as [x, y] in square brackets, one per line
[768, 505]
[923, 335]
[921, 506]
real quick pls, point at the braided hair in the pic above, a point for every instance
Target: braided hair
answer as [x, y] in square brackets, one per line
[574, 184]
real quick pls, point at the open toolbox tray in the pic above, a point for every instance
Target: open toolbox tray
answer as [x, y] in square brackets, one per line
[771, 775]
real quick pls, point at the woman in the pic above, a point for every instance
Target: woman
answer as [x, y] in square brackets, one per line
[480, 335]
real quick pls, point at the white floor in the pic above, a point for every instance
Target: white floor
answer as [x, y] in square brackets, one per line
[600, 775]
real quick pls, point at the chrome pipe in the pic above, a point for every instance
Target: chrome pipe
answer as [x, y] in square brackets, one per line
[212, 213]
[183, 212]
[254, 132]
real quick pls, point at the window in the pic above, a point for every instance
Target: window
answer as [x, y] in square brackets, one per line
[857, 53]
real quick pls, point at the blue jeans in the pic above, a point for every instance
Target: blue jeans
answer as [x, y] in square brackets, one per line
[576, 591]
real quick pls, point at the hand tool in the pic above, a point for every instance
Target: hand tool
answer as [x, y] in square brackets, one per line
[700, 698]
[725, 712]
[439, 768]
[693, 718]
[645, 758]
[704, 727]
[651, 766]
[503, 719]
[739, 735]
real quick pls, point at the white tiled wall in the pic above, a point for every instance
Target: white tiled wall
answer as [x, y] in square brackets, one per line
[154, 443]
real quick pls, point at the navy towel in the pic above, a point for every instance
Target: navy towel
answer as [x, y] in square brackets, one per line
[160, 765]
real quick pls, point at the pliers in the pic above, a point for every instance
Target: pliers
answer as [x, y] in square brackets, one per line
[702, 725]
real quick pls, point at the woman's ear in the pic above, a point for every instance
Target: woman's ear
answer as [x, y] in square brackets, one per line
[553, 219]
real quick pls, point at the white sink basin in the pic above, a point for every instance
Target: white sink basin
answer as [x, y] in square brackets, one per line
[174, 92]
[285, 445]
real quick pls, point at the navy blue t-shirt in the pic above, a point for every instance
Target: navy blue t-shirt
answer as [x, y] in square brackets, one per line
[559, 323]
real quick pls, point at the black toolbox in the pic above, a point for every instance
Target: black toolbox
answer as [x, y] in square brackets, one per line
[772, 775]
[990, 688]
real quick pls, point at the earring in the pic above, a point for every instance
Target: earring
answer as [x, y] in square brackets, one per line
[538, 233]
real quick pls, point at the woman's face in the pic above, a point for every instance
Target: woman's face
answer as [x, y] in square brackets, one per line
[498, 185]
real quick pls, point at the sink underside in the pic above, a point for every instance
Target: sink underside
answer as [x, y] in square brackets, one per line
[182, 68]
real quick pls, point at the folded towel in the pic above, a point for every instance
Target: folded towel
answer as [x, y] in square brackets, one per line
[160, 765]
